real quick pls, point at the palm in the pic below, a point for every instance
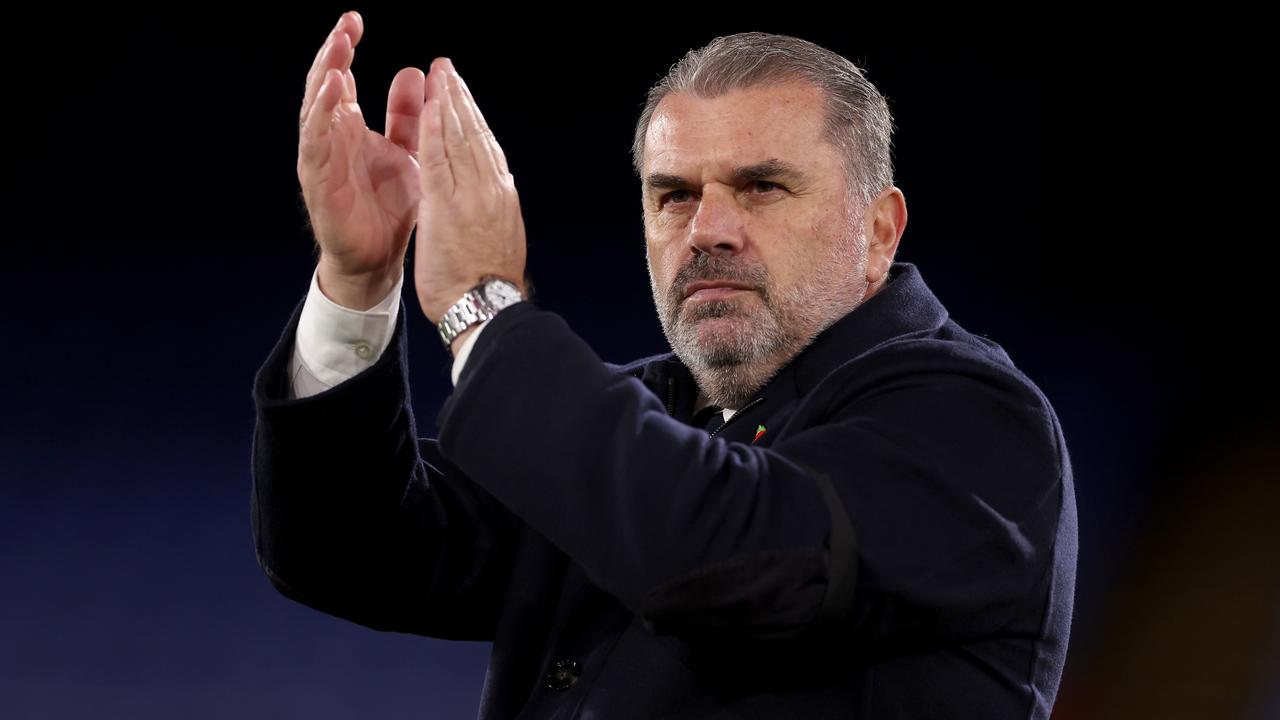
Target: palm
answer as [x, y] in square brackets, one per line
[361, 187]
[365, 196]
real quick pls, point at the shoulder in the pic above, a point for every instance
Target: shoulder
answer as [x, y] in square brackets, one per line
[958, 383]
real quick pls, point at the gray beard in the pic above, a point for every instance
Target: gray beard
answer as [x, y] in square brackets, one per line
[733, 363]
[732, 386]
[736, 365]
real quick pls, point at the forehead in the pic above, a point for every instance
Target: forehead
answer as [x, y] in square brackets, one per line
[779, 120]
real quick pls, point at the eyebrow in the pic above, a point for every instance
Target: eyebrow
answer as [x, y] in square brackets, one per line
[771, 168]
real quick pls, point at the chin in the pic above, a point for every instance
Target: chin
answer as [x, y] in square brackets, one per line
[720, 330]
[718, 342]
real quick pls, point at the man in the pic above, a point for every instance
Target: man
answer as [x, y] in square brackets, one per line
[829, 501]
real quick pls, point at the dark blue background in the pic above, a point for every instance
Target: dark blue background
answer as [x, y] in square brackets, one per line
[157, 245]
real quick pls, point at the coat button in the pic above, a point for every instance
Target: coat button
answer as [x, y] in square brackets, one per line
[564, 673]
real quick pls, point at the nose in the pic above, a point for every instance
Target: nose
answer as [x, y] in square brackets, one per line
[717, 227]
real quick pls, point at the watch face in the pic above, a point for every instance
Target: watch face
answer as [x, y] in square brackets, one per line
[501, 293]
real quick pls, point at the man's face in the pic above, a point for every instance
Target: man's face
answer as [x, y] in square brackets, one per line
[742, 190]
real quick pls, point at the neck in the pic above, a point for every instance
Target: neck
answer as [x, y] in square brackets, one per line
[704, 401]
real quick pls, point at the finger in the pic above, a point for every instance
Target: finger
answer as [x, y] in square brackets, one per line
[324, 61]
[433, 160]
[404, 108]
[354, 30]
[461, 159]
[348, 86]
[353, 38]
[349, 24]
[499, 157]
[338, 56]
[315, 74]
[354, 26]
[479, 137]
[314, 145]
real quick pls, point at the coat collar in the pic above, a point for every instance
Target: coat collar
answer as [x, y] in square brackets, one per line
[903, 306]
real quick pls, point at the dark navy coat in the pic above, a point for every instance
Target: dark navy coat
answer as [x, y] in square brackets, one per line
[887, 530]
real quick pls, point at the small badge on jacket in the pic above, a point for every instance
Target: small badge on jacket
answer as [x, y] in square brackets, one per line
[759, 432]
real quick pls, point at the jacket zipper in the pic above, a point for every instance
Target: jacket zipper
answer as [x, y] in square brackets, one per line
[671, 397]
[734, 416]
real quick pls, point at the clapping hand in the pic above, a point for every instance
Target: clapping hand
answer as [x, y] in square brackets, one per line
[438, 166]
[469, 220]
[361, 188]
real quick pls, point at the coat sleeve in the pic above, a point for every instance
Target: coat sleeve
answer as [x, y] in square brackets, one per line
[353, 515]
[924, 508]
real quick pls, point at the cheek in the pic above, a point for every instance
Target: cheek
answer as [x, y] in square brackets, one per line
[819, 240]
[662, 225]
[664, 261]
[794, 248]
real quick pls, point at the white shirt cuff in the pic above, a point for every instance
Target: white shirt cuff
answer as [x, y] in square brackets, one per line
[335, 343]
[465, 350]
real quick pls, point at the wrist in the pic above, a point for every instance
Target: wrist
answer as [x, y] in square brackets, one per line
[359, 291]
[455, 347]
[436, 305]
[475, 305]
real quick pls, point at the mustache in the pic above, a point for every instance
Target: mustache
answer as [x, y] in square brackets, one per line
[715, 267]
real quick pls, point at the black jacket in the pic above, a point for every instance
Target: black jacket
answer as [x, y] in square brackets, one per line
[898, 542]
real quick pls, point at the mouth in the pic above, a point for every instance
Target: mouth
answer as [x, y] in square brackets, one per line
[714, 289]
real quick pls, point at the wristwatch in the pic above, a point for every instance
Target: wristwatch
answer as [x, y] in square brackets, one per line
[478, 304]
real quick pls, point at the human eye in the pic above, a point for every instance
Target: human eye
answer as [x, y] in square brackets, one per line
[675, 196]
[765, 186]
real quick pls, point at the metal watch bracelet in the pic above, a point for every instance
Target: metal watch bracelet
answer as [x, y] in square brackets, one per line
[478, 304]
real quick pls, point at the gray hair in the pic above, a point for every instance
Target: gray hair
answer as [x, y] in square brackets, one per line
[857, 121]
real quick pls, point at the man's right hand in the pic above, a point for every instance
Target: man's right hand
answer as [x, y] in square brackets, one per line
[361, 188]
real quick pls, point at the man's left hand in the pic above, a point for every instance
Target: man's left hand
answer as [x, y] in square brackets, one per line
[469, 220]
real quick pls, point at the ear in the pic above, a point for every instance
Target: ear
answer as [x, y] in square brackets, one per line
[883, 222]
